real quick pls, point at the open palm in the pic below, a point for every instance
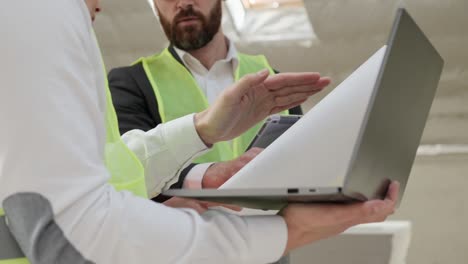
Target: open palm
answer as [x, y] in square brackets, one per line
[252, 99]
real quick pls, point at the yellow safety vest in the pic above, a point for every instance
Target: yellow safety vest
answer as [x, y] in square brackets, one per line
[126, 171]
[178, 94]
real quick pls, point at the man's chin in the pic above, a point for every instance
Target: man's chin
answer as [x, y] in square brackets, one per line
[188, 28]
[188, 45]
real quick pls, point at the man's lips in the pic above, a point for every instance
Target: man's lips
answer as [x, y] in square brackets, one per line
[187, 19]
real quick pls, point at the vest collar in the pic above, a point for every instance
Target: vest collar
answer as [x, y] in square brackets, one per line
[174, 54]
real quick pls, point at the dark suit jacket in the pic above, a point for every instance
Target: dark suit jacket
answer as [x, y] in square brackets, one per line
[135, 102]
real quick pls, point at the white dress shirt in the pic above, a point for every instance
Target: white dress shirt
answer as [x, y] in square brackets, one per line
[220, 76]
[212, 82]
[52, 108]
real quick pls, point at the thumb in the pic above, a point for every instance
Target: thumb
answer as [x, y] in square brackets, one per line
[250, 81]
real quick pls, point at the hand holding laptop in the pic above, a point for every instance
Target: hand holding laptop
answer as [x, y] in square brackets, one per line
[310, 223]
[216, 175]
[197, 205]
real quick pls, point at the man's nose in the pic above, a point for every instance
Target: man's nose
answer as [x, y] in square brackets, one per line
[182, 4]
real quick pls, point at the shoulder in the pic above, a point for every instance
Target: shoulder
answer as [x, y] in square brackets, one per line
[125, 72]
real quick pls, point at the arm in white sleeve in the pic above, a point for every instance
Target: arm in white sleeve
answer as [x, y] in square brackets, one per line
[194, 177]
[52, 107]
[165, 151]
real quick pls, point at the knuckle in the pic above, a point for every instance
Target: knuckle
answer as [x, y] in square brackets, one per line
[249, 77]
[257, 150]
[279, 100]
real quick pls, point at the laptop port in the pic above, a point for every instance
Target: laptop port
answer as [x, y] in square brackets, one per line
[293, 190]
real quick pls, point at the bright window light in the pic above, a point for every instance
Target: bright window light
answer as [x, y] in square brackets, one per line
[272, 3]
[269, 21]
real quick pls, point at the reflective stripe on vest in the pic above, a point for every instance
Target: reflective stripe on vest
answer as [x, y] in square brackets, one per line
[178, 94]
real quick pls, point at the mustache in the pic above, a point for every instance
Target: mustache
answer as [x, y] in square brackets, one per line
[188, 12]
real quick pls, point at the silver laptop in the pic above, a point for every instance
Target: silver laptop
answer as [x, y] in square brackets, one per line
[361, 136]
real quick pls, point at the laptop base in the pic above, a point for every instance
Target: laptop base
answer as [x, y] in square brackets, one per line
[266, 199]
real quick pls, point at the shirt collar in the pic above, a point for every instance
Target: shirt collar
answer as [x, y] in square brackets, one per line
[189, 60]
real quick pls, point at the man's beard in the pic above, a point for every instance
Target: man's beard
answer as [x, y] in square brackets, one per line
[192, 37]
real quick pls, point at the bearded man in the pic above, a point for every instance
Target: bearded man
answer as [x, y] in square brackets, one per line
[187, 77]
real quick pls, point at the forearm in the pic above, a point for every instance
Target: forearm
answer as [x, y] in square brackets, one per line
[165, 151]
[123, 234]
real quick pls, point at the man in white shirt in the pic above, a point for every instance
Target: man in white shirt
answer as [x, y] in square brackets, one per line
[53, 181]
[201, 62]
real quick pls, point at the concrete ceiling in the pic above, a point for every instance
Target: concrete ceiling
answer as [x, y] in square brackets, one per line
[348, 33]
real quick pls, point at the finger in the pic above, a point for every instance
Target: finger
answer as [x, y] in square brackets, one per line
[279, 108]
[250, 81]
[384, 208]
[281, 80]
[253, 152]
[323, 82]
[297, 89]
[214, 204]
[283, 108]
[393, 191]
[177, 202]
[319, 85]
[292, 98]
[245, 158]
[233, 207]
[256, 149]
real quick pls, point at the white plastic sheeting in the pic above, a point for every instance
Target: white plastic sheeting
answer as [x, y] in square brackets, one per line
[281, 25]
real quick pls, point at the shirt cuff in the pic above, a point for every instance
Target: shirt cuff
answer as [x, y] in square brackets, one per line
[268, 240]
[183, 140]
[195, 176]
